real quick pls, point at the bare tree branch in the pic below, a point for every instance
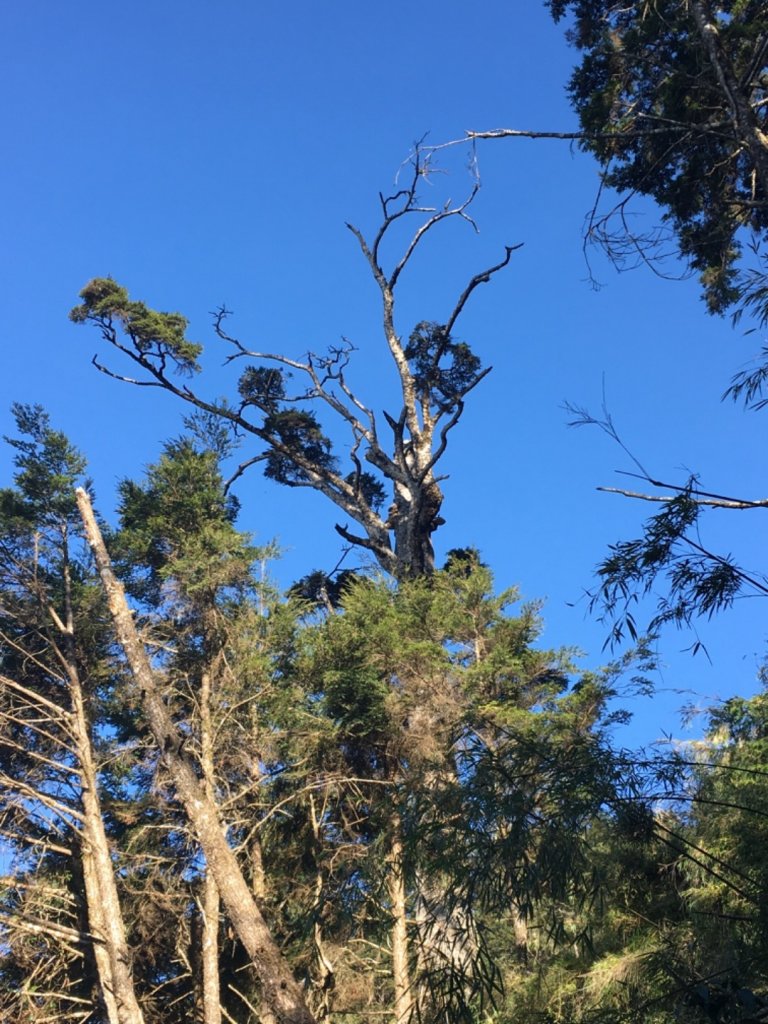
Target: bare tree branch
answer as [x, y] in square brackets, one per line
[712, 502]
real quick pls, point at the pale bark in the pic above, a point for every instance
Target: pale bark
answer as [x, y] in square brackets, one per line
[210, 952]
[258, 878]
[97, 928]
[113, 959]
[520, 929]
[401, 976]
[745, 123]
[211, 900]
[281, 993]
[324, 980]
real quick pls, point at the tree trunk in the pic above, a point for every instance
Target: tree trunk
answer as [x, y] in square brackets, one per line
[743, 117]
[113, 959]
[401, 977]
[210, 952]
[96, 926]
[104, 913]
[280, 991]
[258, 878]
[211, 901]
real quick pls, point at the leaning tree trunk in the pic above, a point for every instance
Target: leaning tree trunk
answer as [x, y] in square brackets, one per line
[111, 952]
[113, 961]
[96, 926]
[281, 994]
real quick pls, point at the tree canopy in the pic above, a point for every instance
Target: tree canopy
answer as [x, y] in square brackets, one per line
[671, 100]
[381, 794]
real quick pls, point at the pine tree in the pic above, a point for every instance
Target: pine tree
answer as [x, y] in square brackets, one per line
[463, 771]
[61, 909]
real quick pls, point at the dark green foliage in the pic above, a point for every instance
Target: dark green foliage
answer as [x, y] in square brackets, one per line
[675, 931]
[369, 487]
[322, 590]
[749, 385]
[300, 449]
[262, 386]
[493, 762]
[698, 582]
[221, 644]
[545, 874]
[38, 526]
[52, 621]
[659, 117]
[180, 524]
[48, 468]
[463, 561]
[157, 336]
[443, 369]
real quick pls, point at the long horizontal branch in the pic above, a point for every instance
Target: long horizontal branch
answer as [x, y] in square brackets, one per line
[25, 651]
[582, 136]
[706, 853]
[25, 723]
[697, 492]
[320, 478]
[319, 390]
[732, 503]
[61, 716]
[24, 838]
[322, 785]
[759, 585]
[64, 769]
[707, 869]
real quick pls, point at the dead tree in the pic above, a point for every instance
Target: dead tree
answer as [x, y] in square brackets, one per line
[390, 487]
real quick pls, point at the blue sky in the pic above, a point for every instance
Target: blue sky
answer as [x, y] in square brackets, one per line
[207, 153]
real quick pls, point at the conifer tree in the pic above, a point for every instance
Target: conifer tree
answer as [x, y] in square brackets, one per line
[192, 572]
[670, 101]
[462, 756]
[61, 911]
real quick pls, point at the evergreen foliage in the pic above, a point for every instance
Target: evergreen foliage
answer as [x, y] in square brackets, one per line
[159, 337]
[386, 756]
[423, 805]
[670, 99]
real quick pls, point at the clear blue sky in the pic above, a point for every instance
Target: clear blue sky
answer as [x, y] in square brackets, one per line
[207, 153]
